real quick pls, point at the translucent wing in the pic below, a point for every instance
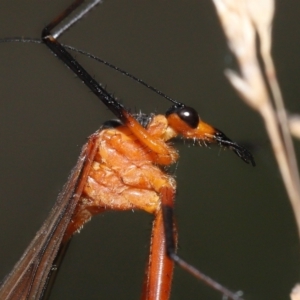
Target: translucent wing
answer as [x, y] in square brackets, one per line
[29, 277]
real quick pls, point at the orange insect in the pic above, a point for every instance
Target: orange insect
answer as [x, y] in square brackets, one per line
[120, 168]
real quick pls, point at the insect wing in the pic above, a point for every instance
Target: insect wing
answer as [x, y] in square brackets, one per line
[29, 277]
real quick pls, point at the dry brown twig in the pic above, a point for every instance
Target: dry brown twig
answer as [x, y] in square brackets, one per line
[243, 22]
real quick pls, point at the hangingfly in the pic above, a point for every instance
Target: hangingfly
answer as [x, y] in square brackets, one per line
[122, 167]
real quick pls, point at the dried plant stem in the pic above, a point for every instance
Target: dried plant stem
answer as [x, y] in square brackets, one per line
[270, 119]
[278, 125]
[282, 118]
[243, 21]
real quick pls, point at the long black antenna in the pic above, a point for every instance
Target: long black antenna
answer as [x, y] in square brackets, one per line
[98, 59]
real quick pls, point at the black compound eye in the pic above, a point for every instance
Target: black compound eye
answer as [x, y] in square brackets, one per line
[186, 114]
[189, 116]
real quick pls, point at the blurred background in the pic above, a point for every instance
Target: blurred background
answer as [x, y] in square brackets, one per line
[235, 222]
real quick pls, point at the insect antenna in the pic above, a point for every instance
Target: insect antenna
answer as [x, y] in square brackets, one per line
[98, 59]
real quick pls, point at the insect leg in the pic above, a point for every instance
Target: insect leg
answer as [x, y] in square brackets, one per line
[160, 268]
[167, 207]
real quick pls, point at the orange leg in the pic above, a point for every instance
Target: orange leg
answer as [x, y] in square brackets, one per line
[159, 273]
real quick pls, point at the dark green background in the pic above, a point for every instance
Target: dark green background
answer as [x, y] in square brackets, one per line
[235, 221]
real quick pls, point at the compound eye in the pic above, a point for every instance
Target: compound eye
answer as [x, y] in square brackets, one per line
[189, 115]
